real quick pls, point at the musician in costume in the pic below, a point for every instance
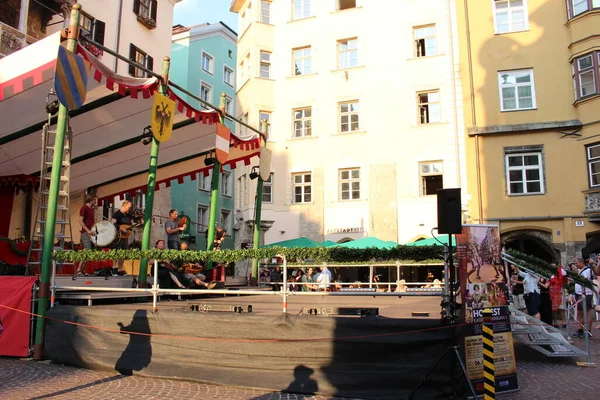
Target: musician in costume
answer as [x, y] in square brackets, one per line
[173, 230]
[220, 235]
[192, 272]
[86, 220]
[123, 222]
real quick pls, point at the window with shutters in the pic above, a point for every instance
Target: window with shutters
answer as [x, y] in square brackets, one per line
[91, 28]
[146, 12]
[142, 58]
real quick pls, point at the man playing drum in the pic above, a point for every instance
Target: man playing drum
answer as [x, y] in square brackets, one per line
[86, 220]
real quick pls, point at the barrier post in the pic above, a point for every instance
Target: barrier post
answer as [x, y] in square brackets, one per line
[489, 378]
[155, 288]
[53, 285]
[285, 285]
[586, 334]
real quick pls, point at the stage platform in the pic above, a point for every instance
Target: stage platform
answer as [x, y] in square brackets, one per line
[379, 357]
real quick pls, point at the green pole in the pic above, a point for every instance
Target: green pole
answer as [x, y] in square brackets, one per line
[48, 245]
[162, 89]
[258, 205]
[214, 189]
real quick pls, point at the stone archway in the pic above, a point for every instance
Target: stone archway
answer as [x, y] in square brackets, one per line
[345, 240]
[533, 242]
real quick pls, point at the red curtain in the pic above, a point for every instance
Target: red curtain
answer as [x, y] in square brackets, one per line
[7, 195]
[15, 293]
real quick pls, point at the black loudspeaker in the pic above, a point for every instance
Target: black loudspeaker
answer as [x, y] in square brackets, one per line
[449, 211]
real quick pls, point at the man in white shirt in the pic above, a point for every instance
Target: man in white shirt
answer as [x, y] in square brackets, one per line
[531, 293]
[585, 272]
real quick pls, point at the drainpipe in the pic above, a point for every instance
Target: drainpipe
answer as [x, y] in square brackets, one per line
[23, 16]
[118, 40]
[473, 113]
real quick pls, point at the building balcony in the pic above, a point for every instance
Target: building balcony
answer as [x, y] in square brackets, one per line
[11, 40]
[592, 204]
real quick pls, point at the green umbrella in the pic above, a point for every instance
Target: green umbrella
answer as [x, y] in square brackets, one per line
[368, 242]
[392, 243]
[298, 242]
[328, 243]
[432, 241]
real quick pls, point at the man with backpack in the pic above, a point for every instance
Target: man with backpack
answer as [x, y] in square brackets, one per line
[584, 294]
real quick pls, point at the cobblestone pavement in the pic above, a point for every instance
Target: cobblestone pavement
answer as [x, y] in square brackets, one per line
[539, 378]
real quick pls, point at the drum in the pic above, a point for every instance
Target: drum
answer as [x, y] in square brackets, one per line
[106, 234]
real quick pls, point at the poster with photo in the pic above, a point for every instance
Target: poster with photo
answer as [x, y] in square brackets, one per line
[483, 284]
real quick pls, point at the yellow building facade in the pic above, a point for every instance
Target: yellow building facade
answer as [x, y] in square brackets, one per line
[531, 94]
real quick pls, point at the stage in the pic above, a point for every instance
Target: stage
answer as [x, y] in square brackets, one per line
[366, 357]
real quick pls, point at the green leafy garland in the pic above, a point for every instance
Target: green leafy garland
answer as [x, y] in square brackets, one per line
[544, 269]
[337, 254]
[13, 246]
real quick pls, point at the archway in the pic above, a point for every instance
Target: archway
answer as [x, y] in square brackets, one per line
[345, 240]
[535, 243]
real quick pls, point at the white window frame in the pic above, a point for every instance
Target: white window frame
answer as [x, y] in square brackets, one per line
[201, 225]
[425, 107]
[303, 121]
[516, 86]
[420, 34]
[592, 160]
[226, 183]
[265, 11]
[204, 182]
[269, 183]
[350, 181]
[145, 6]
[267, 114]
[595, 58]
[210, 68]
[436, 168]
[209, 95]
[302, 61]
[524, 168]
[589, 5]
[301, 9]
[227, 69]
[265, 62]
[355, 104]
[345, 56]
[225, 220]
[229, 104]
[510, 10]
[302, 184]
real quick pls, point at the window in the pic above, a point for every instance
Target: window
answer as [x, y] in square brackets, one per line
[228, 105]
[139, 56]
[349, 180]
[345, 4]
[425, 44]
[510, 16]
[517, 91]
[302, 187]
[265, 12]
[262, 116]
[348, 53]
[524, 173]
[267, 194]
[226, 183]
[226, 220]
[302, 122]
[593, 159]
[576, 7]
[585, 73]
[205, 93]
[428, 107]
[207, 63]
[201, 219]
[301, 9]
[91, 28]
[432, 178]
[146, 12]
[228, 75]
[265, 64]
[204, 181]
[349, 116]
[302, 61]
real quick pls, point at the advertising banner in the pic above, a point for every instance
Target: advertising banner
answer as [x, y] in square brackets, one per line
[15, 293]
[483, 284]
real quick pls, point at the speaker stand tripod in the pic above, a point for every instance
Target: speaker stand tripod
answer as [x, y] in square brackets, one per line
[451, 350]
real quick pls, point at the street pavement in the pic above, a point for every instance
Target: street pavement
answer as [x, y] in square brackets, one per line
[539, 378]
